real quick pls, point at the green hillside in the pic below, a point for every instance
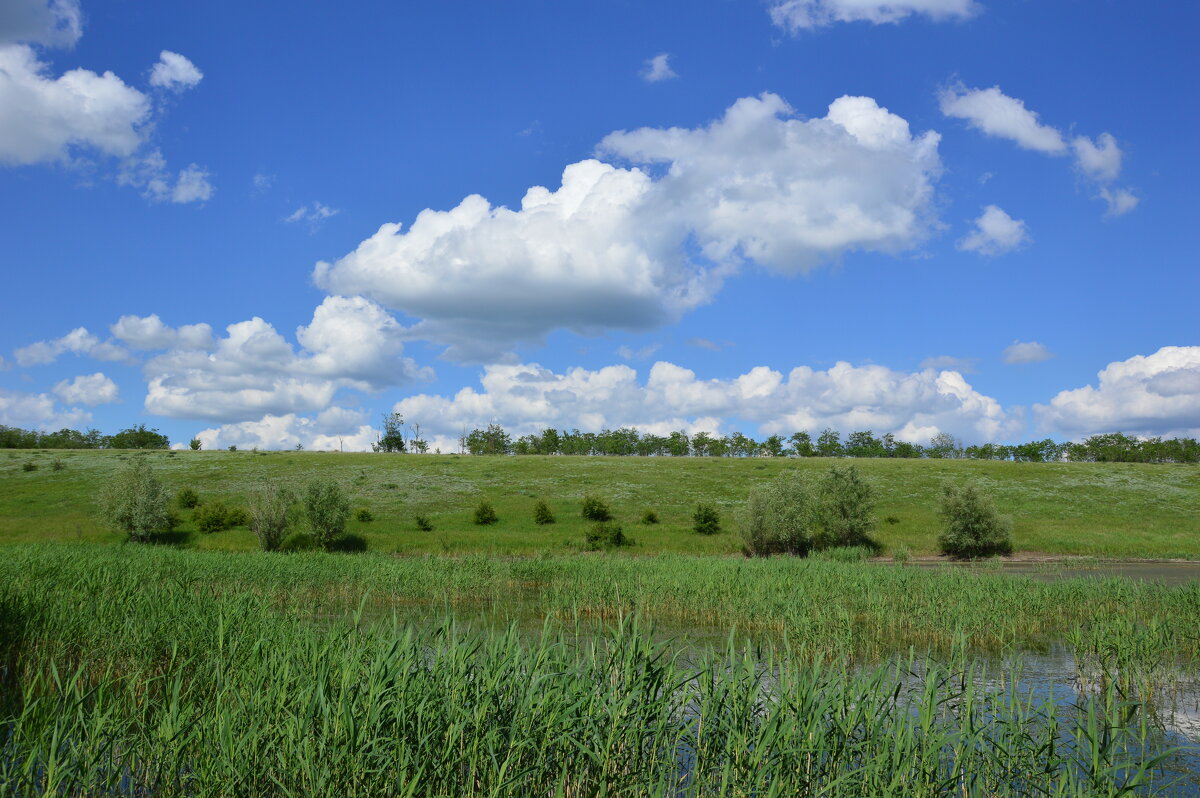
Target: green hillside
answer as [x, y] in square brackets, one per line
[1100, 509]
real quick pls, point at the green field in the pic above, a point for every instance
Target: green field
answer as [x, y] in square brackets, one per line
[1097, 509]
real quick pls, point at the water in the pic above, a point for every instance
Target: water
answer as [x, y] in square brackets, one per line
[1169, 573]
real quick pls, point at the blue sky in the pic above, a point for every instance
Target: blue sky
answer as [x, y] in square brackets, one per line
[968, 216]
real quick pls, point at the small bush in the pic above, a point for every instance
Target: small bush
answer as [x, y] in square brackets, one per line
[779, 517]
[891, 519]
[28, 465]
[327, 509]
[57, 464]
[133, 500]
[236, 516]
[271, 515]
[423, 523]
[649, 517]
[972, 528]
[364, 515]
[300, 541]
[349, 543]
[706, 520]
[845, 509]
[605, 536]
[485, 514]
[187, 498]
[542, 514]
[595, 509]
[212, 517]
[900, 554]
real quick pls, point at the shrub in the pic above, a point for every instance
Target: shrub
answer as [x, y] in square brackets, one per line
[649, 517]
[605, 535]
[57, 464]
[29, 465]
[212, 517]
[423, 523]
[542, 514]
[133, 501]
[845, 509]
[972, 528]
[900, 554]
[195, 444]
[349, 543]
[891, 519]
[485, 514]
[364, 515]
[326, 509]
[595, 509]
[236, 516]
[187, 498]
[706, 520]
[271, 514]
[779, 517]
[300, 541]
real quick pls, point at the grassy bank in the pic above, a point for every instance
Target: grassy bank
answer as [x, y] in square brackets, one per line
[142, 670]
[1099, 509]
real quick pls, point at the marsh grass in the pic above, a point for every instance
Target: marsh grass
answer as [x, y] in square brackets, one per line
[156, 672]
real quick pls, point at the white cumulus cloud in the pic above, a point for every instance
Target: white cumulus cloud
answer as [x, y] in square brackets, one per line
[334, 429]
[148, 171]
[175, 72]
[995, 233]
[796, 15]
[608, 248]
[38, 411]
[526, 398]
[92, 389]
[149, 332]
[1146, 395]
[658, 68]
[79, 342]
[1025, 352]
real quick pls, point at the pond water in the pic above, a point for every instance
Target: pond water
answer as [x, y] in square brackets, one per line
[1170, 573]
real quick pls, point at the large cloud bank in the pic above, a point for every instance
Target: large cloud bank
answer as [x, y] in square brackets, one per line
[612, 246]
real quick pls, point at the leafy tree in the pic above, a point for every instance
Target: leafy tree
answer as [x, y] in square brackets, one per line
[493, 440]
[187, 498]
[326, 509]
[773, 446]
[678, 444]
[595, 509]
[829, 443]
[703, 444]
[706, 520]
[845, 509]
[943, 446]
[213, 516]
[139, 438]
[542, 514]
[271, 514]
[972, 528]
[194, 444]
[802, 444]
[392, 439]
[133, 501]
[779, 517]
[549, 443]
[864, 444]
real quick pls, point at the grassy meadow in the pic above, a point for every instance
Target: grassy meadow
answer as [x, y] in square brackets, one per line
[1098, 509]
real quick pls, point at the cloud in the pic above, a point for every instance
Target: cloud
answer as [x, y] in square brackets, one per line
[149, 332]
[174, 72]
[611, 248]
[963, 365]
[94, 389]
[313, 214]
[995, 233]
[526, 398]
[1025, 352]
[658, 68]
[79, 341]
[642, 353]
[335, 429]
[797, 15]
[148, 171]
[1146, 395]
[57, 23]
[996, 114]
[704, 343]
[253, 371]
[37, 410]
[46, 118]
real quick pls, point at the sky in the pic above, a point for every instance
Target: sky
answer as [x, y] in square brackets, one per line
[269, 224]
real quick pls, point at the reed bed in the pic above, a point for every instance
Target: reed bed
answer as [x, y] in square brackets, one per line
[152, 672]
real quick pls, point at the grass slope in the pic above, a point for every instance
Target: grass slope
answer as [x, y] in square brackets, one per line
[1099, 509]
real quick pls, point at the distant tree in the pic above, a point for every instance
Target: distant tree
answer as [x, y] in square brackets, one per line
[678, 444]
[271, 514]
[549, 443]
[943, 446]
[194, 444]
[493, 440]
[392, 439]
[802, 444]
[829, 443]
[139, 438]
[773, 446]
[779, 517]
[972, 528]
[845, 509]
[133, 501]
[702, 444]
[326, 509]
[864, 444]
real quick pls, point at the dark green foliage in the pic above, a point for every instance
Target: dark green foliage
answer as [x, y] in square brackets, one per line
[133, 501]
[271, 514]
[139, 438]
[211, 517]
[300, 541]
[891, 519]
[57, 464]
[542, 514]
[349, 543]
[972, 528]
[493, 440]
[595, 509]
[706, 520]
[423, 523]
[392, 439]
[845, 509]
[237, 516]
[326, 509]
[779, 517]
[187, 498]
[364, 515]
[29, 465]
[194, 444]
[649, 517]
[605, 536]
[485, 514]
